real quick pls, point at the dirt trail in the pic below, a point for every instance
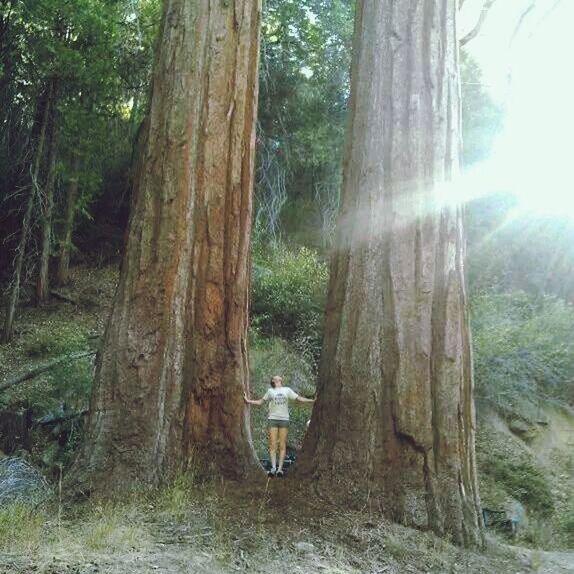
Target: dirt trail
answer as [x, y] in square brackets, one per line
[272, 528]
[552, 562]
[186, 558]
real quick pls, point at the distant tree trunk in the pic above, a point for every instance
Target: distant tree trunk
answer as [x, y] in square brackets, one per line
[133, 123]
[173, 367]
[394, 421]
[43, 284]
[30, 197]
[63, 275]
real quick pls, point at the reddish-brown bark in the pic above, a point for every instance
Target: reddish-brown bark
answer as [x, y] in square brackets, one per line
[173, 366]
[393, 426]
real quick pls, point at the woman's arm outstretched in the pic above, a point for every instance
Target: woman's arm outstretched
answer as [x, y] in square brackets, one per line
[257, 403]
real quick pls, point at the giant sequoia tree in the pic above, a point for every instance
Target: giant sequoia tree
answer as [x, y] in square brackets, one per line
[394, 420]
[173, 366]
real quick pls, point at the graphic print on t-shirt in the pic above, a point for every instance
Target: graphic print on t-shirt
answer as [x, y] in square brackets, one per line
[278, 402]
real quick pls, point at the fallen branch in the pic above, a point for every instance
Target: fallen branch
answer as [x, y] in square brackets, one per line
[64, 297]
[62, 418]
[43, 368]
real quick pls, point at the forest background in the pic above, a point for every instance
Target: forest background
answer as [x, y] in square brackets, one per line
[74, 81]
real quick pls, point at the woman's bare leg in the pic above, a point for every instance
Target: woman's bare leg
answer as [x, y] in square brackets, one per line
[273, 446]
[282, 446]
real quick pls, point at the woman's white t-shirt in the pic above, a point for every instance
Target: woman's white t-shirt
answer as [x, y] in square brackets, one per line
[278, 399]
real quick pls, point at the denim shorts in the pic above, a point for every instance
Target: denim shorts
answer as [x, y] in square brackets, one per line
[278, 423]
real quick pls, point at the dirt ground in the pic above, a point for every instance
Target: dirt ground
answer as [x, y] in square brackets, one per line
[273, 526]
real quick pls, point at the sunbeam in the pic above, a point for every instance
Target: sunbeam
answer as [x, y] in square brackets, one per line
[531, 158]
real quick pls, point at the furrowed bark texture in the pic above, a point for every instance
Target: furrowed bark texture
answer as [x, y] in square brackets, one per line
[394, 419]
[173, 366]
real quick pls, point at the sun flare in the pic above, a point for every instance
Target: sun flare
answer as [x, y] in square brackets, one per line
[532, 157]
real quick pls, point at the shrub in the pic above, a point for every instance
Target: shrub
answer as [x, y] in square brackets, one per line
[522, 481]
[524, 350]
[54, 339]
[61, 390]
[288, 297]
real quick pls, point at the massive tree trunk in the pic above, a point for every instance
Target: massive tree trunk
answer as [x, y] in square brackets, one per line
[394, 420]
[46, 106]
[173, 367]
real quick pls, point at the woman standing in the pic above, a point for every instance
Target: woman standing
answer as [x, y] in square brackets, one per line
[278, 419]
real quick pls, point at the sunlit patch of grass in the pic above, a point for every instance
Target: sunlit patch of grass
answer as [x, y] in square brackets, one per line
[176, 498]
[112, 527]
[396, 548]
[21, 527]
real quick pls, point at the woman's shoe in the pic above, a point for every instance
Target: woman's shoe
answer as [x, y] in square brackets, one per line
[280, 473]
[272, 473]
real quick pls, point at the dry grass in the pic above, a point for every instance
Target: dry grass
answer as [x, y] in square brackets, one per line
[270, 526]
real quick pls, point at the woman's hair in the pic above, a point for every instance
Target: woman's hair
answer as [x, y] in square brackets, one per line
[272, 382]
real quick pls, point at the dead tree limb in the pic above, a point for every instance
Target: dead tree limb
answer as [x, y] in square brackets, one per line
[478, 26]
[43, 368]
[521, 20]
[540, 21]
[64, 297]
[62, 418]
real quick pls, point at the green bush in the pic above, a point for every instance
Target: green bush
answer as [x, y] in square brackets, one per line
[522, 481]
[523, 350]
[54, 339]
[288, 297]
[66, 386]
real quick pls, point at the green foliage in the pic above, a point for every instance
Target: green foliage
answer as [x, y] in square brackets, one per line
[481, 117]
[524, 350]
[538, 533]
[94, 58]
[62, 390]
[304, 87]
[522, 481]
[274, 356]
[289, 288]
[52, 340]
[175, 498]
